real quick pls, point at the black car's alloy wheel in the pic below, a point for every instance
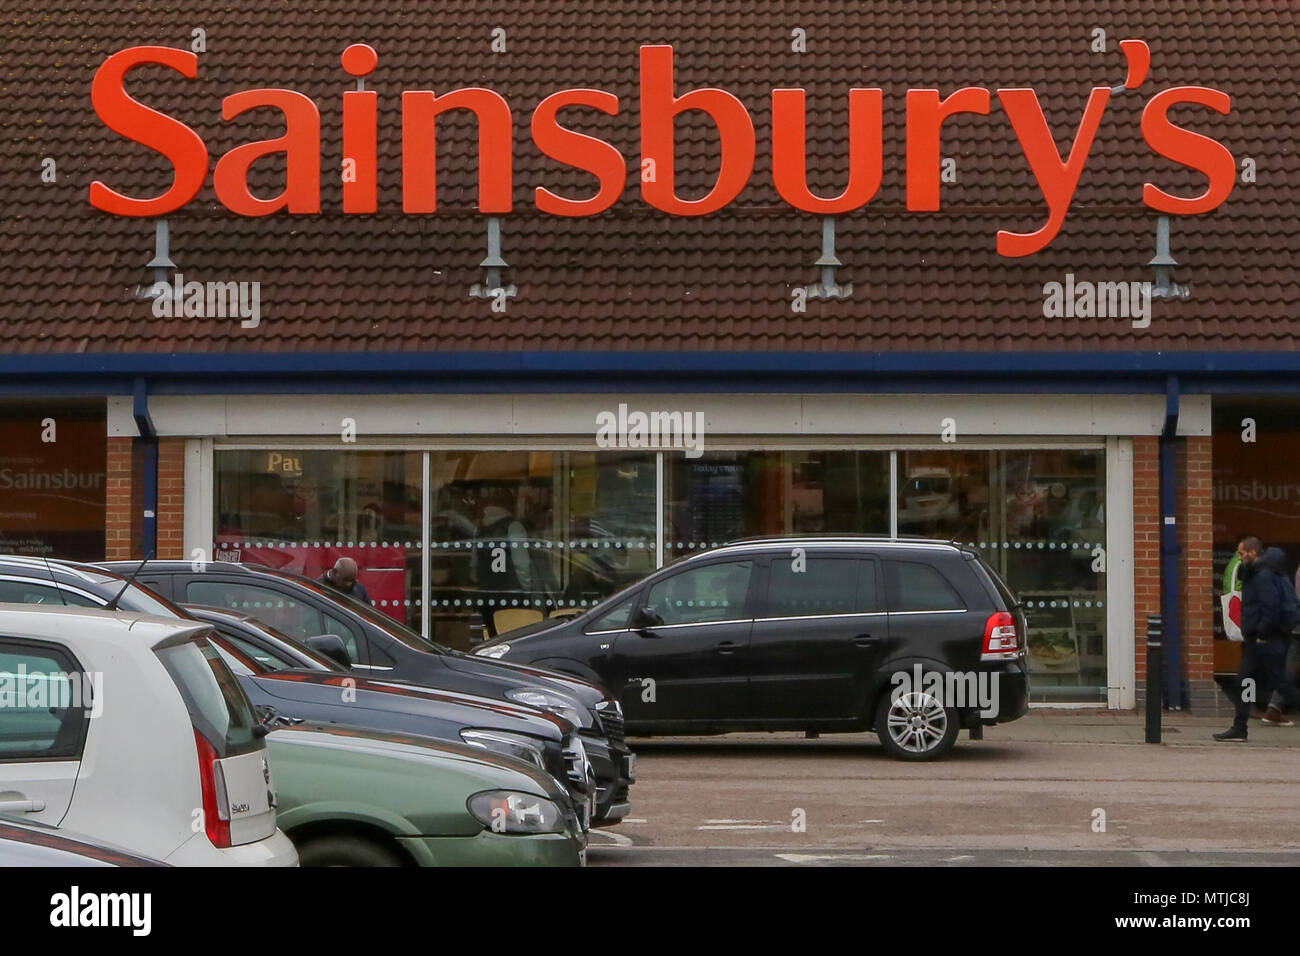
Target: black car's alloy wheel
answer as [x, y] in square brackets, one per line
[916, 726]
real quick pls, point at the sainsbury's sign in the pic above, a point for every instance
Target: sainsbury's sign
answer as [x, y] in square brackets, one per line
[1057, 178]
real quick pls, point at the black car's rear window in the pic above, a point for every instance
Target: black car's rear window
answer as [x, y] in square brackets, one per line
[922, 587]
[217, 705]
[999, 585]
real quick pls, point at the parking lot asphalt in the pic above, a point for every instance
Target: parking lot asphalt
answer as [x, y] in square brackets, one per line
[1057, 786]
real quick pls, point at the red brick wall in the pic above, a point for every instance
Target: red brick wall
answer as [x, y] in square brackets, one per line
[118, 511]
[124, 511]
[171, 498]
[1146, 540]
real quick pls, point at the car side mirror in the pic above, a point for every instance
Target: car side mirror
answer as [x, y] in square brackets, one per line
[477, 629]
[332, 646]
[645, 617]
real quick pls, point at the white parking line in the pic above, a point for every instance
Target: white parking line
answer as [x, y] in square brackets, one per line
[615, 839]
[744, 826]
[825, 857]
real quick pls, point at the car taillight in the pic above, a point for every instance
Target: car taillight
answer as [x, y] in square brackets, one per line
[216, 809]
[1001, 641]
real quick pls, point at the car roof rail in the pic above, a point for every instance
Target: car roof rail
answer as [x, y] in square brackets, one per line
[861, 538]
[43, 568]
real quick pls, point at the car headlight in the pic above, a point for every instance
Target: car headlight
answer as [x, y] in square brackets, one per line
[576, 765]
[507, 811]
[496, 651]
[504, 742]
[552, 703]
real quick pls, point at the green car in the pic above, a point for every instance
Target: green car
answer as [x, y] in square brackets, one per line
[349, 797]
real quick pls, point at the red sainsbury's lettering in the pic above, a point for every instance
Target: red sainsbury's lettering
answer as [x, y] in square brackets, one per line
[660, 104]
[182, 146]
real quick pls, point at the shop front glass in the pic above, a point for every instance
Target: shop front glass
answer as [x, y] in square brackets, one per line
[53, 480]
[1038, 518]
[1255, 492]
[722, 496]
[516, 536]
[303, 510]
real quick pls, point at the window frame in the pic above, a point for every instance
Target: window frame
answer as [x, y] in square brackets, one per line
[95, 599]
[751, 591]
[863, 561]
[633, 599]
[63, 655]
[893, 590]
[350, 632]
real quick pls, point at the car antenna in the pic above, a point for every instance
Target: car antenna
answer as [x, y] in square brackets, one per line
[48, 570]
[112, 605]
[53, 580]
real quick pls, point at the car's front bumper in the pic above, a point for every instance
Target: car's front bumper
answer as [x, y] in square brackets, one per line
[498, 849]
[615, 770]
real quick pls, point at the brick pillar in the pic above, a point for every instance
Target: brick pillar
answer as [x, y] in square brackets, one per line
[1146, 547]
[124, 503]
[171, 498]
[119, 513]
[1195, 565]
[1196, 516]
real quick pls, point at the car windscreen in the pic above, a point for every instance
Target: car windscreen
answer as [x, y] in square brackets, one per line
[218, 708]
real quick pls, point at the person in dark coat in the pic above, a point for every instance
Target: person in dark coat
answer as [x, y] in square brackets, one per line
[343, 578]
[1264, 636]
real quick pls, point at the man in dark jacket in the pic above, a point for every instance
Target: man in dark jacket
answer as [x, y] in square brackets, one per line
[343, 577]
[1264, 635]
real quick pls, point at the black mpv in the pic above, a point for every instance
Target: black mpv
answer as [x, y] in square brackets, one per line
[915, 639]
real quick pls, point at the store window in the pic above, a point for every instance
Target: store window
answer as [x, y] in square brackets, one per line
[303, 510]
[518, 536]
[722, 496]
[611, 523]
[1038, 517]
[53, 480]
[1255, 492]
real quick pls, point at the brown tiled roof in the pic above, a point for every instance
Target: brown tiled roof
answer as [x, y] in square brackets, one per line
[634, 278]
